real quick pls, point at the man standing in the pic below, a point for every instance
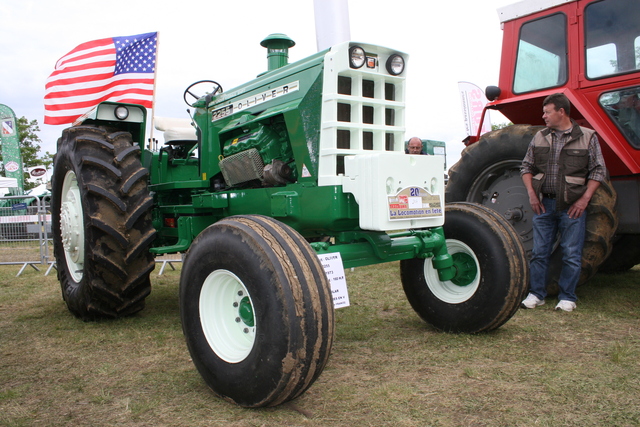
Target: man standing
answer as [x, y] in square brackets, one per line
[562, 169]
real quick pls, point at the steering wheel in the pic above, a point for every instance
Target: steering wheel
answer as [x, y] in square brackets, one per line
[188, 91]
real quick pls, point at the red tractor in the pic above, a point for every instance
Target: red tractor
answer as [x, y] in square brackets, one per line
[590, 51]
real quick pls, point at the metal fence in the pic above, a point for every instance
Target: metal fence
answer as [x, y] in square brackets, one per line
[25, 232]
[25, 235]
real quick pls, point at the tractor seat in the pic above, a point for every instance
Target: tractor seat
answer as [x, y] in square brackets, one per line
[176, 131]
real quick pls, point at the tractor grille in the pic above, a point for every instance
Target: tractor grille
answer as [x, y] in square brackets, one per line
[242, 167]
[362, 111]
[376, 113]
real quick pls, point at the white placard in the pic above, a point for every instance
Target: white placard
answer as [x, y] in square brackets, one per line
[332, 264]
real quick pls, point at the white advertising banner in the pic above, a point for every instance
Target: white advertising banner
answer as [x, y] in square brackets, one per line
[332, 22]
[473, 102]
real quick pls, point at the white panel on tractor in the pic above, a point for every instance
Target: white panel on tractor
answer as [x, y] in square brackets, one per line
[396, 191]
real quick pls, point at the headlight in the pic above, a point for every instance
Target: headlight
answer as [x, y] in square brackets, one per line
[395, 64]
[121, 112]
[357, 56]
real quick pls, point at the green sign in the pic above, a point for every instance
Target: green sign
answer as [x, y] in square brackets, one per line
[11, 157]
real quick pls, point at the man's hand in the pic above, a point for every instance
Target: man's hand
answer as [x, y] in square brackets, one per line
[535, 203]
[577, 209]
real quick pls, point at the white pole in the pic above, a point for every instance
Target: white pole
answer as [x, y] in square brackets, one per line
[153, 101]
[332, 22]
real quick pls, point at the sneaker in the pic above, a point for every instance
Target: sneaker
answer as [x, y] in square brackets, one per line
[532, 301]
[565, 305]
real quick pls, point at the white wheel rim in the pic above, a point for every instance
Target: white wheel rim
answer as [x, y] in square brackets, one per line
[223, 306]
[71, 226]
[448, 291]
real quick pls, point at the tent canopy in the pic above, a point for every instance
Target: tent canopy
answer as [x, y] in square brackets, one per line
[8, 182]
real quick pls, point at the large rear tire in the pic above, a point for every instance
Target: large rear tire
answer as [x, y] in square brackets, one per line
[492, 275]
[101, 223]
[256, 310]
[624, 256]
[488, 173]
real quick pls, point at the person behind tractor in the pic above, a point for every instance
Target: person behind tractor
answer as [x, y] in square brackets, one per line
[561, 171]
[629, 115]
[414, 146]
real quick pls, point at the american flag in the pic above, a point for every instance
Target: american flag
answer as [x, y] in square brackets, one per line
[113, 69]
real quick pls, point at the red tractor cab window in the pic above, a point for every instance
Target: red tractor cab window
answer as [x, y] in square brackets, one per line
[542, 54]
[612, 38]
[623, 106]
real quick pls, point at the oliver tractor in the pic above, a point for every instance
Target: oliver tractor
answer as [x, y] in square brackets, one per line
[306, 160]
[590, 51]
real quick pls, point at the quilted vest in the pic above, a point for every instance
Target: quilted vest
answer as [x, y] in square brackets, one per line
[573, 164]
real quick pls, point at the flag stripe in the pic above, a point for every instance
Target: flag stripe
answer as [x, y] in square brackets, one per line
[85, 48]
[69, 116]
[78, 83]
[143, 95]
[81, 74]
[86, 61]
[79, 90]
[114, 69]
[90, 101]
[87, 91]
[85, 55]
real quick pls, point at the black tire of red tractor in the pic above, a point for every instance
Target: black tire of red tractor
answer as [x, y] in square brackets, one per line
[498, 288]
[115, 225]
[490, 167]
[291, 303]
[624, 256]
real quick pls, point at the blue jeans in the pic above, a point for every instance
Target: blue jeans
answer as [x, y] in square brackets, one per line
[546, 227]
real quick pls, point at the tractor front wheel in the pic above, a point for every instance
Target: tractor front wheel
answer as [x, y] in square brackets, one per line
[491, 273]
[256, 310]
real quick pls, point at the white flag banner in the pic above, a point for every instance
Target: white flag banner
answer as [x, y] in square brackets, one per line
[332, 22]
[473, 102]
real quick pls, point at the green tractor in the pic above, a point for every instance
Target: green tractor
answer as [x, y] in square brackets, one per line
[305, 161]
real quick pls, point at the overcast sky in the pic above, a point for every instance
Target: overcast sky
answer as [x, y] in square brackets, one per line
[448, 42]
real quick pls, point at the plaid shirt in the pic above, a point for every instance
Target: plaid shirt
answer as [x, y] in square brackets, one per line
[596, 166]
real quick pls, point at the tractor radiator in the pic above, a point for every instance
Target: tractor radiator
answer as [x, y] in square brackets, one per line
[242, 167]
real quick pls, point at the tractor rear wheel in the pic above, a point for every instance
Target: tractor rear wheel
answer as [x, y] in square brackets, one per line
[101, 223]
[625, 254]
[257, 311]
[488, 173]
[491, 273]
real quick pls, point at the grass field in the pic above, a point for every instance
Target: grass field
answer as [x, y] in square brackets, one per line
[387, 368]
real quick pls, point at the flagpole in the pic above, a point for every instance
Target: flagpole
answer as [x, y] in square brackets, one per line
[153, 97]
